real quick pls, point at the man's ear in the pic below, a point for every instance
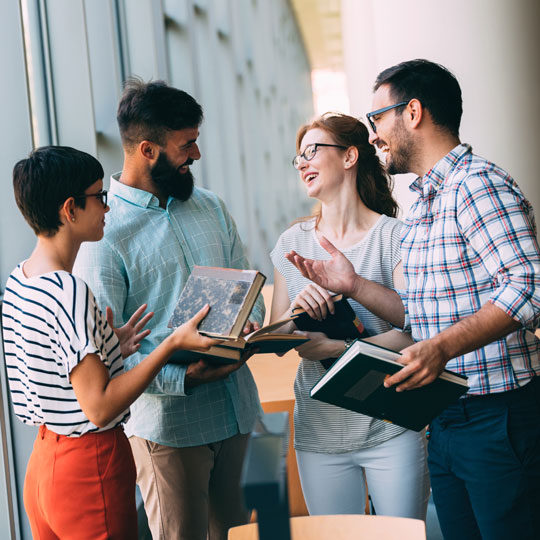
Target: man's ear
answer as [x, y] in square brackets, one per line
[414, 112]
[148, 150]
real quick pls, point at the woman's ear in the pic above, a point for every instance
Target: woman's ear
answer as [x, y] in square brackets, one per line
[351, 157]
[67, 210]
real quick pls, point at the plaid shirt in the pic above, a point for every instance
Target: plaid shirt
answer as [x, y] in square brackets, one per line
[470, 238]
[146, 256]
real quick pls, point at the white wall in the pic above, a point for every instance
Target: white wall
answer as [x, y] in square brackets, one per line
[491, 46]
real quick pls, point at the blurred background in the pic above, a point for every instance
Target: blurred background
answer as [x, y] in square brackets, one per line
[260, 69]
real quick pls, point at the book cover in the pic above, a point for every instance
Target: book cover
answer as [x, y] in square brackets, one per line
[230, 293]
[355, 382]
[342, 324]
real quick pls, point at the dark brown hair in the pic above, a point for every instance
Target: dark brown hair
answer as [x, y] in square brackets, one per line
[373, 184]
[149, 110]
[46, 178]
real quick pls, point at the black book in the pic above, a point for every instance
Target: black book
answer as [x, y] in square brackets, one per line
[342, 324]
[355, 382]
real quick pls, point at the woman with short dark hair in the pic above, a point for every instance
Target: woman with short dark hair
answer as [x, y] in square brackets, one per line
[64, 358]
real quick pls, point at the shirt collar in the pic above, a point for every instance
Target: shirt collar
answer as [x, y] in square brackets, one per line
[435, 177]
[130, 194]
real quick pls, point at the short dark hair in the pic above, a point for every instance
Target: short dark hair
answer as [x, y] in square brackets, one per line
[432, 84]
[46, 178]
[148, 110]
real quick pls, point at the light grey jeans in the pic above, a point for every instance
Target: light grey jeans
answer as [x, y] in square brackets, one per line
[395, 470]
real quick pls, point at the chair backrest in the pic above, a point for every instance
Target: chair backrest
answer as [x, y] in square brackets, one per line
[343, 527]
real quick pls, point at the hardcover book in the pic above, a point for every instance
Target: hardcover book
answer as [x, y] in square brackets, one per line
[231, 351]
[342, 324]
[230, 293]
[355, 382]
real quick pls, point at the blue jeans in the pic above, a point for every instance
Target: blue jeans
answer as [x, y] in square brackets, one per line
[484, 462]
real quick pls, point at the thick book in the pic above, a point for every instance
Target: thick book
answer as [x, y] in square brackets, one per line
[342, 324]
[355, 382]
[230, 293]
[263, 341]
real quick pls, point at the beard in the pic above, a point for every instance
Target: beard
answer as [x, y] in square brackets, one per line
[169, 181]
[400, 160]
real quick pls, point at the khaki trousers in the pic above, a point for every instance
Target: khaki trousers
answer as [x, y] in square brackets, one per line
[191, 493]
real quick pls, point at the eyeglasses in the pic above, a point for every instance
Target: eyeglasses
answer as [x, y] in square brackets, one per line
[370, 115]
[101, 195]
[309, 153]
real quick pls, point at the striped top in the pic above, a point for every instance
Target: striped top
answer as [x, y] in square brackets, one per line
[470, 239]
[50, 323]
[318, 426]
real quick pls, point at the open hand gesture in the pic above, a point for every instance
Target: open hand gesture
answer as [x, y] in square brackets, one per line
[131, 334]
[336, 274]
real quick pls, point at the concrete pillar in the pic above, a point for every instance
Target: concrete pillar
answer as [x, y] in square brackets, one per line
[490, 45]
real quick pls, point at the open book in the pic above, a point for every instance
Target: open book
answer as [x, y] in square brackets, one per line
[231, 295]
[264, 340]
[355, 382]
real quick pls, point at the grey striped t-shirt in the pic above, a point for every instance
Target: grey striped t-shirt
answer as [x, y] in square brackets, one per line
[320, 427]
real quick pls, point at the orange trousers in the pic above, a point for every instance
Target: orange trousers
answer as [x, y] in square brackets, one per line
[81, 488]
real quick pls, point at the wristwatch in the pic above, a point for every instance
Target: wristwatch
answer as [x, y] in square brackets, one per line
[348, 342]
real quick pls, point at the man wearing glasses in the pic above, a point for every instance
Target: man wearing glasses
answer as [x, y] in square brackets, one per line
[472, 268]
[189, 429]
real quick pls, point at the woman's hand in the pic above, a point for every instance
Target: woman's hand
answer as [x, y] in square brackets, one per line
[316, 301]
[187, 336]
[130, 335]
[319, 346]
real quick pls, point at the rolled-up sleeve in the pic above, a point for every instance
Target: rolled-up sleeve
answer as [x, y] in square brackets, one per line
[498, 223]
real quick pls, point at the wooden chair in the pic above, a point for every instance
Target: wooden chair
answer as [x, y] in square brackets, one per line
[343, 527]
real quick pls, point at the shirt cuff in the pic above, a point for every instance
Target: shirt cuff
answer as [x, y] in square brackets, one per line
[516, 305]
[406, 320]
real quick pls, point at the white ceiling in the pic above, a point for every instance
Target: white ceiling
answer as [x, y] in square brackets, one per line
[320, 25]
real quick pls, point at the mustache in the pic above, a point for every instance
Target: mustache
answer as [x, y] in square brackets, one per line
[188, 162]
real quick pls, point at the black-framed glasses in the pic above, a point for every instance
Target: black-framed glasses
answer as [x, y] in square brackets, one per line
[101, 195]
[370, 115]
[309, 152]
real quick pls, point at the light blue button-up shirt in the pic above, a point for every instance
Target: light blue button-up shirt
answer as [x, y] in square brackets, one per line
[146, 256]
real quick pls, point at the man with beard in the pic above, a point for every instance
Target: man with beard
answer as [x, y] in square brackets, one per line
[189, 429]
[472, 268]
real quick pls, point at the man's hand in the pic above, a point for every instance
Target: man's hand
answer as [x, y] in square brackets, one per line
[130, 335]
[202, 372]
[424, 362]
[319, 346]
[336, 274]
[250, 328]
